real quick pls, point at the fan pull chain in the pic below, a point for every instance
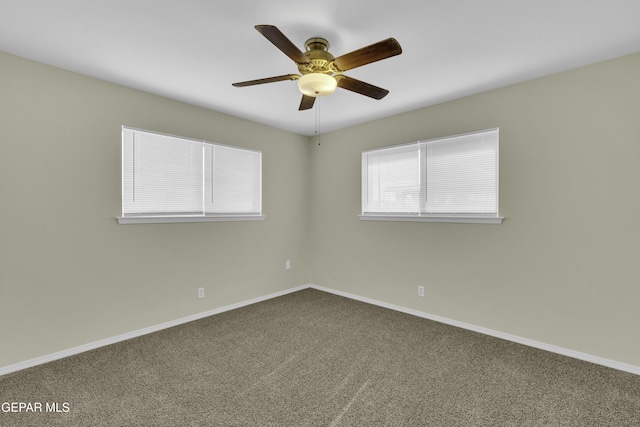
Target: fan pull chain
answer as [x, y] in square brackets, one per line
[318, 119]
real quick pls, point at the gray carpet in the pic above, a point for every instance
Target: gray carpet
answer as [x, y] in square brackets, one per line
[317, 359]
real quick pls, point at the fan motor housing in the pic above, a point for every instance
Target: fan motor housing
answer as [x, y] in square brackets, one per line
[321, 60]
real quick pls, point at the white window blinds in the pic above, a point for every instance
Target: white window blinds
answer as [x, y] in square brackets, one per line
[391, 179]
[450, 176]
[164, 175]
[462, 174]
[233, 180]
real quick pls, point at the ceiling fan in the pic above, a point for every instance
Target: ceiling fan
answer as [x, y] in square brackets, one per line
[321, 72]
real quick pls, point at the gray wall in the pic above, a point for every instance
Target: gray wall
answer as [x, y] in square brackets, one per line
[562, 269]
[69, 274]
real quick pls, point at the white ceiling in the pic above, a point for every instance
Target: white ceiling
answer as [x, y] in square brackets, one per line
[192, 50]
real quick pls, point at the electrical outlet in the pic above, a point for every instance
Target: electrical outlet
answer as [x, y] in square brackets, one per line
[420, 291]
[287, 264]
[200, 293]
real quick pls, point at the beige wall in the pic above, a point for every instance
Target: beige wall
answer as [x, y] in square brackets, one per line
[69, 274]
[563, 268]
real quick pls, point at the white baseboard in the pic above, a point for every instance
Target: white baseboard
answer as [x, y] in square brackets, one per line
[531, 343]
[101, 343]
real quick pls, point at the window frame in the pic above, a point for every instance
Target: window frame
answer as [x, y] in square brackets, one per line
[157, 218]
[420, 215]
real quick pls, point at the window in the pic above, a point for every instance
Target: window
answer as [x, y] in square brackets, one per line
[452, 179]
[167, 178]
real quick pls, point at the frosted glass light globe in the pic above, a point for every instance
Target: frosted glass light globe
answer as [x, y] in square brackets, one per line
[317, 84]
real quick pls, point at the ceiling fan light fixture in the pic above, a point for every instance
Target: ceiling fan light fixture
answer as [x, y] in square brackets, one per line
[317, 84]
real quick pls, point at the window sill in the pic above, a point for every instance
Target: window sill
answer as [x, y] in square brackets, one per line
[455, 219]
[174, 219]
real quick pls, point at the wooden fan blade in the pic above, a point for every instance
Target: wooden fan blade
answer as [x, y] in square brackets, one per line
[267, 80]
[362, 88]
[382, 50]
[279, 40]
[307, 102]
